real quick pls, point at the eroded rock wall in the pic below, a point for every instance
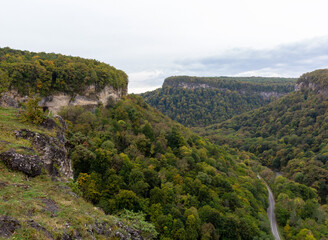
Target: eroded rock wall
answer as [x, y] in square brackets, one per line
[312, 86]
[90, 97]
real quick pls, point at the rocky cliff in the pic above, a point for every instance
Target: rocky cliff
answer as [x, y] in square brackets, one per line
[316, 81]
[315, 87]
[189, 85]
[47, 152]
[90, 98]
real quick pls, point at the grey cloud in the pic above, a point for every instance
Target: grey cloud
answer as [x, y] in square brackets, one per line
[286, 60]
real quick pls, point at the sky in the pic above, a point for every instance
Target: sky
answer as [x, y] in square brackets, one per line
[154, 39]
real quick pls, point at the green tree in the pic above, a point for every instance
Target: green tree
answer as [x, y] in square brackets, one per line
[32, 111]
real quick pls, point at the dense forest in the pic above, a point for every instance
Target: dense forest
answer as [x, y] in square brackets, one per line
[290, 134]
[251, 84]
[194, 101]
[132, 157]
[46, 73]
[297, 209]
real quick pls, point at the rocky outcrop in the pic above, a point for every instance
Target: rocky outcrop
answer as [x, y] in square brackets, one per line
[8, 226]
[130, 233]
[315, 87]
[11, 99]
[53, 154]
[192, 86]
[38, 227]
[30, 165]
[48, 152]
[269, 95]
[90, 97]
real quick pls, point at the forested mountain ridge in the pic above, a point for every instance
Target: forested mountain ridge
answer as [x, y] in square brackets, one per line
[316, 81]
[290, 133]
[58, 79]
[197, 101]
[241, 84]
[45, 73]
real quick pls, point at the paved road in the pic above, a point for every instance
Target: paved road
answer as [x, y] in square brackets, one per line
[271, 214]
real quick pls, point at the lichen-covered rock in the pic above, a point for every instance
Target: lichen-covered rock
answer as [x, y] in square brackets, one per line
[102, 228]
[38, 227]
[11, 99]
[129, 233]
[8, 226]
[53, 154]
[30, 165]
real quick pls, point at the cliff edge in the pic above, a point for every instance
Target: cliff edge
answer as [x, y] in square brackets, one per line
[58, 79]
[316, 81]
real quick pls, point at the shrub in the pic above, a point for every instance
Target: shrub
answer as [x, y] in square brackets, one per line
[32, 112]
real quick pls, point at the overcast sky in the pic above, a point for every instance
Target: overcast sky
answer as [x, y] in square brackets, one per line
[153, 39]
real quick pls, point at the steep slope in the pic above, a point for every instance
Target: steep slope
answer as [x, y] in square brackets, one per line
[46, 207]
[197, 101]
[133, 157]
[289, 134]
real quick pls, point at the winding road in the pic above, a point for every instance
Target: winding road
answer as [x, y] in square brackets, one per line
[271, 214]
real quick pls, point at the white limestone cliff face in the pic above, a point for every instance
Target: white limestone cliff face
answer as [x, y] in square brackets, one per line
[312, 86]
[192, 86]
[268, 95]
[90, 98]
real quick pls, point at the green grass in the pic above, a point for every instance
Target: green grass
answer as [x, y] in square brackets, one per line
[21, 199]
[9, 122]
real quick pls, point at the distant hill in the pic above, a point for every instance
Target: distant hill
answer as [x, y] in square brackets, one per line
[201, 101]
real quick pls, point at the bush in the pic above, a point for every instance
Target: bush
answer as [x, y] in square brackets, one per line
[32, 112]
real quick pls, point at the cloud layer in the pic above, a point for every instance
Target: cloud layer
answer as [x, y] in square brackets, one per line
[151, 40]
[289, 60]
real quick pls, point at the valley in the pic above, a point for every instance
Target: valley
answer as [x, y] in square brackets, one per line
[136, 173]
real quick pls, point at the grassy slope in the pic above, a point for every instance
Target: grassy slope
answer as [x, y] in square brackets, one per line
[22, 199]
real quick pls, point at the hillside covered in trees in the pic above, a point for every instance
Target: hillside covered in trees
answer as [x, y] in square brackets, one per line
[196, 101]
[289, 134]
[47, 73]
[132, 157]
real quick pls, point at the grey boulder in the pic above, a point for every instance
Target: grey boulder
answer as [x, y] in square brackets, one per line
[28, 164]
